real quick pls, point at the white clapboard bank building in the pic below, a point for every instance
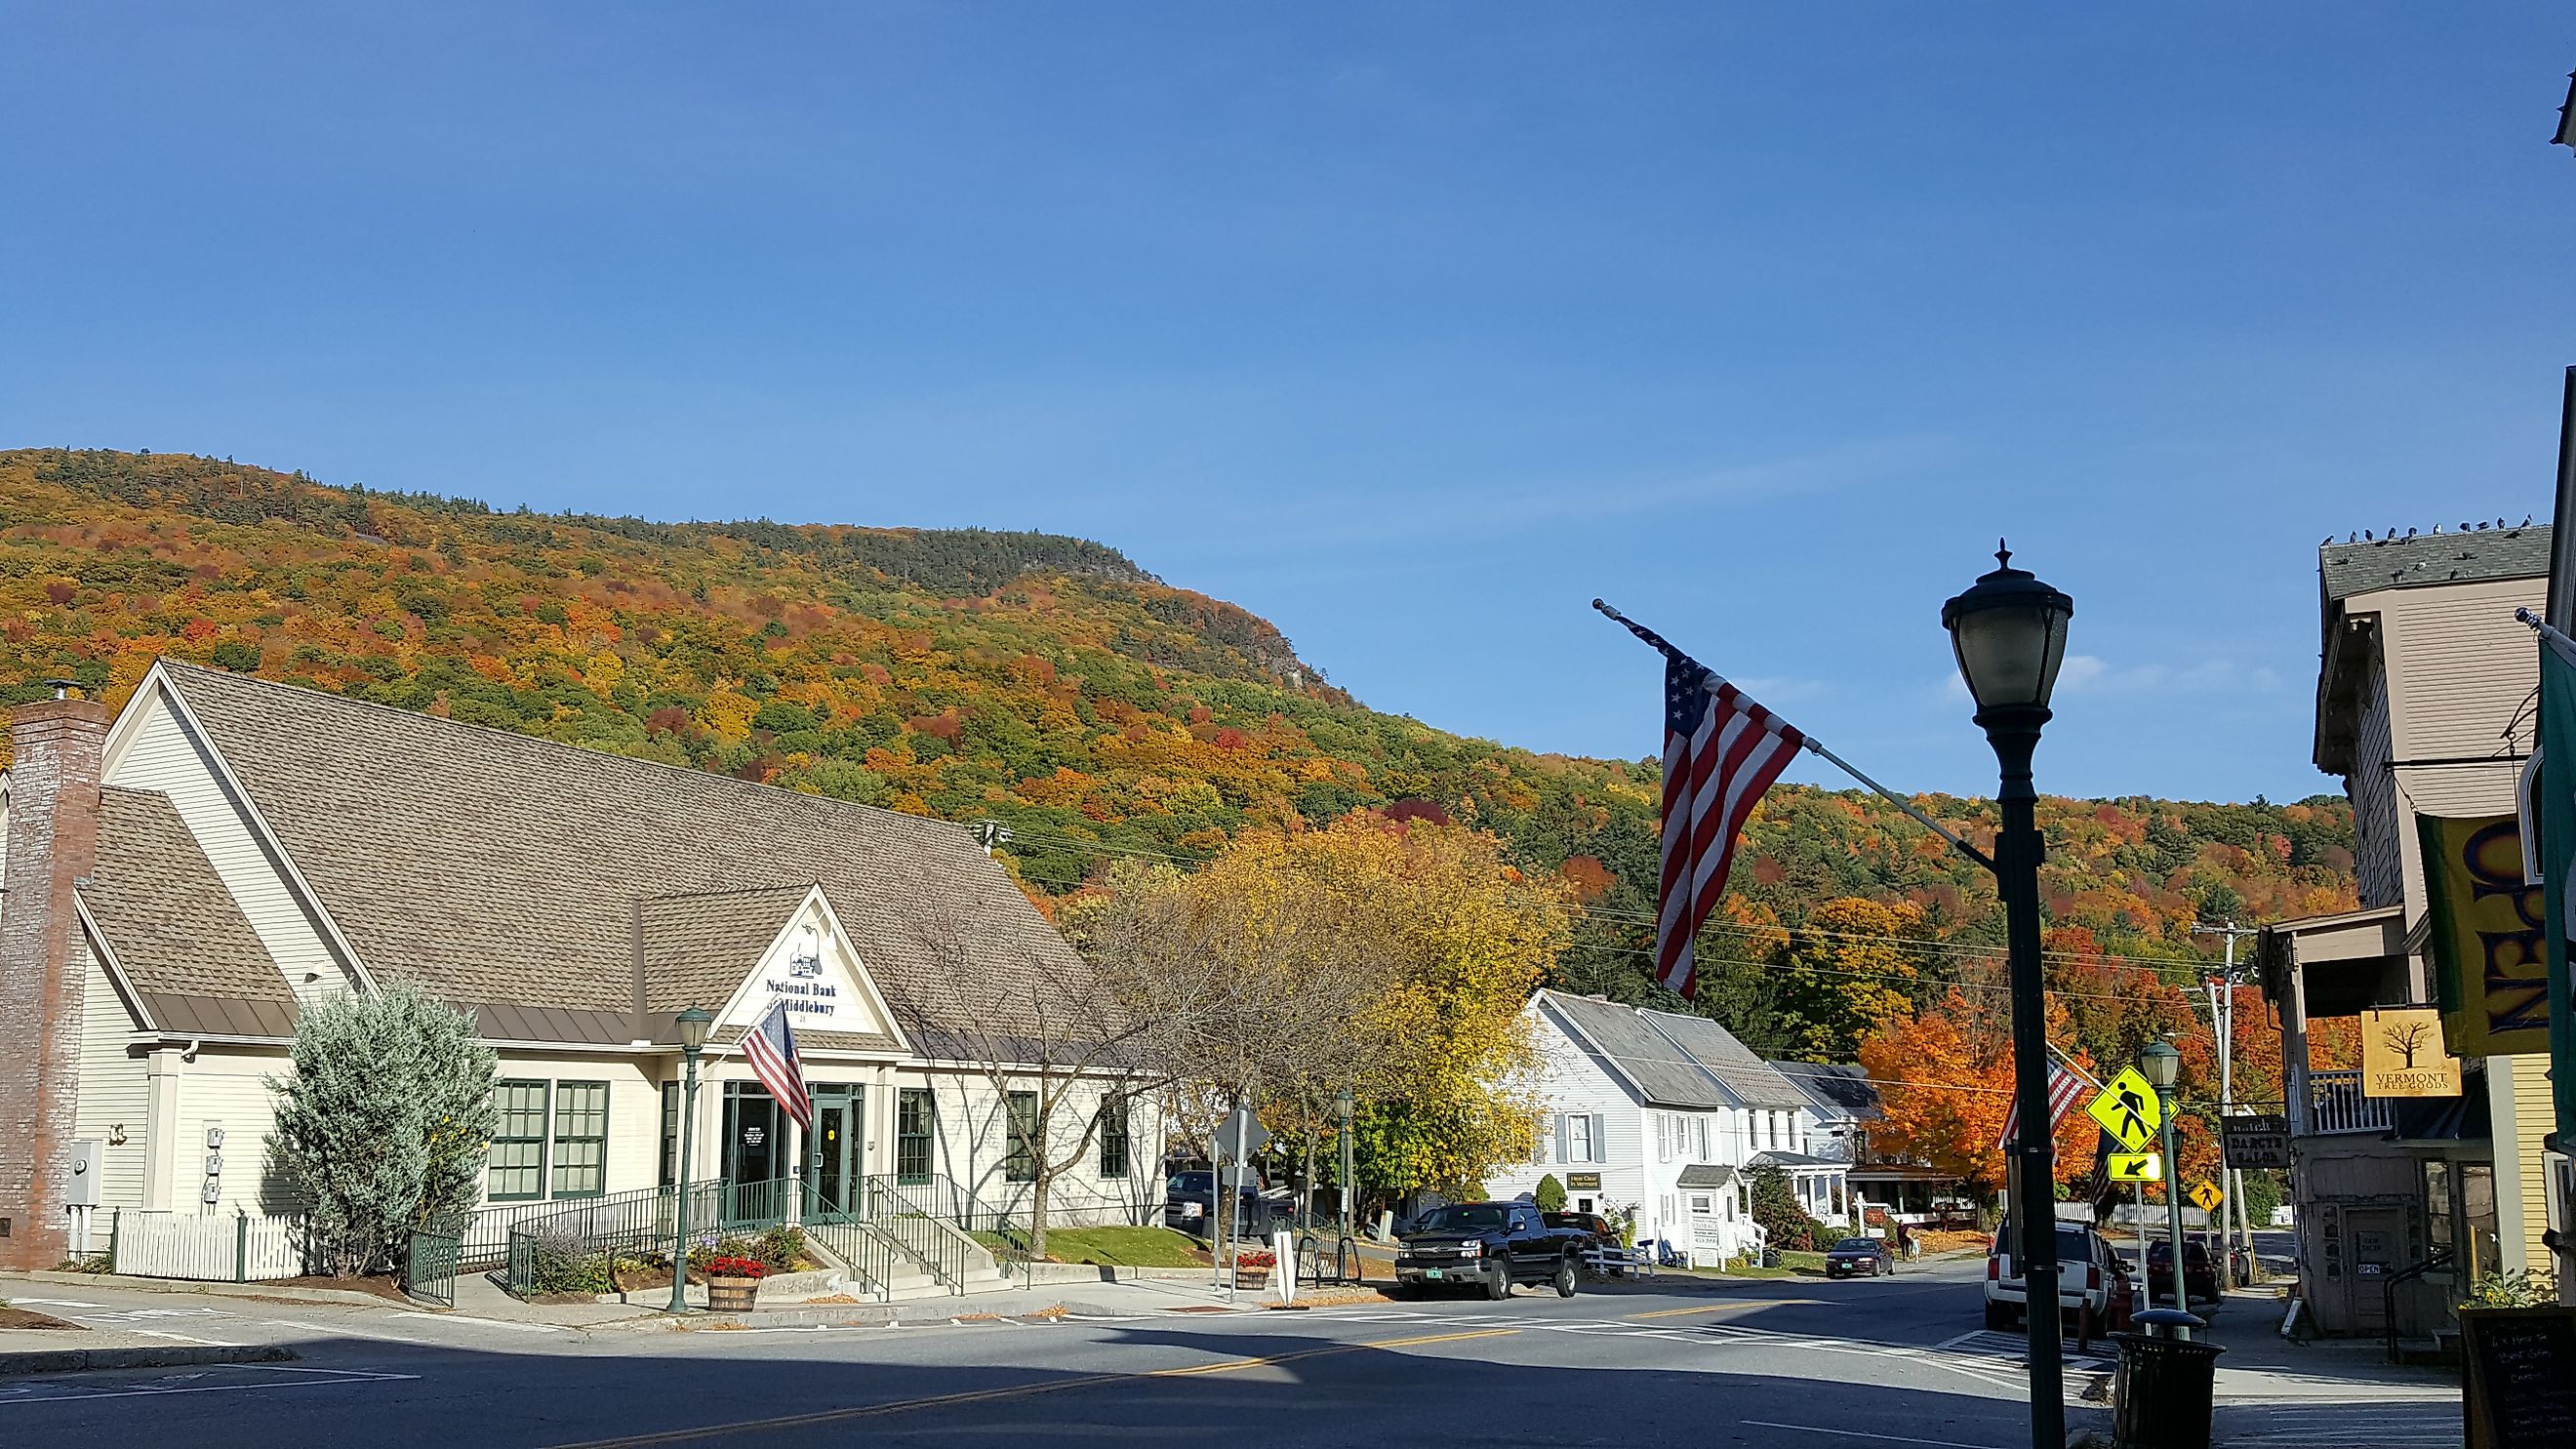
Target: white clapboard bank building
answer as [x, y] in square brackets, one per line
[183, 879]
[1666, 1115]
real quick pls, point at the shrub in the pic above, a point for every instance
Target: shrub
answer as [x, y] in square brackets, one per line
[383, 1123]
[1550, 1195]
[782, 1248]
[1775, 1207]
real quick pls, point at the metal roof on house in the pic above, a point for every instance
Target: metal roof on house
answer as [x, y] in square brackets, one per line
[1686, 1062]
[1661, 1072]
[501, 870]
[1841, 1092]
[1750, 1079]
[2434, 558]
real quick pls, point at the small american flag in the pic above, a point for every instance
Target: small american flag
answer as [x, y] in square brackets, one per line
[1721, 751]
[2064, 1087]
[770, 1047]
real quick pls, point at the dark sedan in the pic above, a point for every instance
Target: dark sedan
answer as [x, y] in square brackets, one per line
[1851, 1256]
[2199, 1273]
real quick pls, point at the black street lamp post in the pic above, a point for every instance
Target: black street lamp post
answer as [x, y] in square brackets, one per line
[692, 1025]
[2009, 631]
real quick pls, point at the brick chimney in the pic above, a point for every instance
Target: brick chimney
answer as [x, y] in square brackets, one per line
[52, 843]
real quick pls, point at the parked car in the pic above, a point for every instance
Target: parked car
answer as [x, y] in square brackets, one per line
[1189, 1200]
[2199, 1273]
[1866, 1256]
[2087, 1271]
[1489, 1245]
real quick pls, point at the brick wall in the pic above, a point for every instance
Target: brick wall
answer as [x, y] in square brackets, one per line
[53, 843]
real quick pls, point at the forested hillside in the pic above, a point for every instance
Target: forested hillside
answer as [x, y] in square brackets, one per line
[1046, 683]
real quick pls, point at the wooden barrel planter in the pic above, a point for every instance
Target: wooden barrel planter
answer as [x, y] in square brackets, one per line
[731, 1295]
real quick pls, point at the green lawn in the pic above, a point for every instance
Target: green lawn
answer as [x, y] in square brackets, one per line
[1119, 1247]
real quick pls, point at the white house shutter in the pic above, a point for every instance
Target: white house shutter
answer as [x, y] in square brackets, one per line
[1600, 1138]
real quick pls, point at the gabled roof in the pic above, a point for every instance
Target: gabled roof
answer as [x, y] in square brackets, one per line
[498, 868]
[1840, 1092]
[173, 929]
[1705, 1174]
[1746, 1076]
[1685, 1062]
[1657, 1070]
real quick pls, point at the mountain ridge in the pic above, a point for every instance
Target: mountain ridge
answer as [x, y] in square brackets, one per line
[1046, 682]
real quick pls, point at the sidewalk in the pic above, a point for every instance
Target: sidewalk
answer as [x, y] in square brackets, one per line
[2260, 1366]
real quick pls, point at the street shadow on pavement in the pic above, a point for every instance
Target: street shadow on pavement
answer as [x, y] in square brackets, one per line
[1140, 1383]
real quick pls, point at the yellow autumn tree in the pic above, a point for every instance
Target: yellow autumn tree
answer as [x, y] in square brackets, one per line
[1389, 957]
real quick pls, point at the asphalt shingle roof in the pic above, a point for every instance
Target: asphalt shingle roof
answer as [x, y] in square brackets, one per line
[165, 915]
[2434, 558]
[498, 867]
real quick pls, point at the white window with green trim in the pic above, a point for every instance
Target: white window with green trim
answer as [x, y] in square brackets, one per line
[518, 1159]
[581, 1139]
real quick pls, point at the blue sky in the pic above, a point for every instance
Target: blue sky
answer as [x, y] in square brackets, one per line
[1410, 327]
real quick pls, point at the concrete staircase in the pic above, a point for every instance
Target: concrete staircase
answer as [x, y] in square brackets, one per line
[902, 1250]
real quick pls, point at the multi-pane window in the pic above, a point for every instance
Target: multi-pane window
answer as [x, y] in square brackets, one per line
[581, 1139]
[518, 1161]
[1113, 1137]
[916, 1118]
[1020, 1163]
[1699, 1128]
[1578, 1135]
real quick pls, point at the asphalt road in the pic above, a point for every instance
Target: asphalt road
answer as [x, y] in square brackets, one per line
[1866, 1364]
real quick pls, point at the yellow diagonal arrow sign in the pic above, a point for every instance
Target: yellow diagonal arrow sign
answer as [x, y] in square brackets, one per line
[2127, 1110]
[2137, 1167]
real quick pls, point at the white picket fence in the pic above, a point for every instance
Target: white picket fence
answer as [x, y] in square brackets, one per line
[230, 1247]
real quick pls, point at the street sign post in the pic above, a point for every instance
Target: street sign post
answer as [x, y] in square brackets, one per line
[2255, 1141]
[2137, 1167]
[2127, 1109]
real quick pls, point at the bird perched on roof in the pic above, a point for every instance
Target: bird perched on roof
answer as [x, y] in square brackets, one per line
[2410, 533]
[2526, 520]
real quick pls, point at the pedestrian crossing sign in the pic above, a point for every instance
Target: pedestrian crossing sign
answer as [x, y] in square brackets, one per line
[2127, 1109]
[2206, 1196]
[2137, 1167]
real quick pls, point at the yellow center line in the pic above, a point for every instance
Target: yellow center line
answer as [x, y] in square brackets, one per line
[982, 1396]
[1731, 1303]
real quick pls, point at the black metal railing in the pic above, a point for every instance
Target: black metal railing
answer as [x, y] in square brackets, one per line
[576, 1246]
[2439, 1258]
[927, 1218]
[870, 1256]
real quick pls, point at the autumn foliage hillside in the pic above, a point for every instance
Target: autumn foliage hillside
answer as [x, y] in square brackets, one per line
[1046, 683]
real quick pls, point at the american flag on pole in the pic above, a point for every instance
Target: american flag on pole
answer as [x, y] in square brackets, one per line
[770, 1047]
[1721, 751]
[2064, 1086]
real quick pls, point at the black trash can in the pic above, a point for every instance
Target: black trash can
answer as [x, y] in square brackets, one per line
[2163, 1394]
[1770, 1257]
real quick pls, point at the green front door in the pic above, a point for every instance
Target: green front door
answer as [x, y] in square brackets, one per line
[832, 1165]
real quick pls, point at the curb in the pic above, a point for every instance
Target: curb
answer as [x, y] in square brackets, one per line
[78, 1360]
[217, 1290]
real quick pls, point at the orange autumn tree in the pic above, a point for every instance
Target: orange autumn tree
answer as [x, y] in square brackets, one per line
[1945, 1082]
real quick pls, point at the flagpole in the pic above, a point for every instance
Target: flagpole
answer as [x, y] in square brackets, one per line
[1816, 747]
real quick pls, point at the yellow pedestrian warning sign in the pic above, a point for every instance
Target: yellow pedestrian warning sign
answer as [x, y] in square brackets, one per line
[2137, 1167]
[2206, 1196]
[2127, 1110]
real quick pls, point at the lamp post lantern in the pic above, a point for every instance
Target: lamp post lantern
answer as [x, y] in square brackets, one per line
[2161, 1065]
[2009, 632]
[692, 1025]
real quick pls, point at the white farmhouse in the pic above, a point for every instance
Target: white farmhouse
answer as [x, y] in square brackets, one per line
[1666, 1114]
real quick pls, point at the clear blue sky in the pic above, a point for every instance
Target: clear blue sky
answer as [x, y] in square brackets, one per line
[1411, 327]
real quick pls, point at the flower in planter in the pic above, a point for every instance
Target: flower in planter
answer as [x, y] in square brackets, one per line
[736, 1268]
[1256, 1258]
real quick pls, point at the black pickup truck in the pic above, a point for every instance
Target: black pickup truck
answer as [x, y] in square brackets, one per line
[1489, 1245]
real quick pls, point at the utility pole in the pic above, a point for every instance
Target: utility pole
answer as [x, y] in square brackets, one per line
[2222, 1017]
